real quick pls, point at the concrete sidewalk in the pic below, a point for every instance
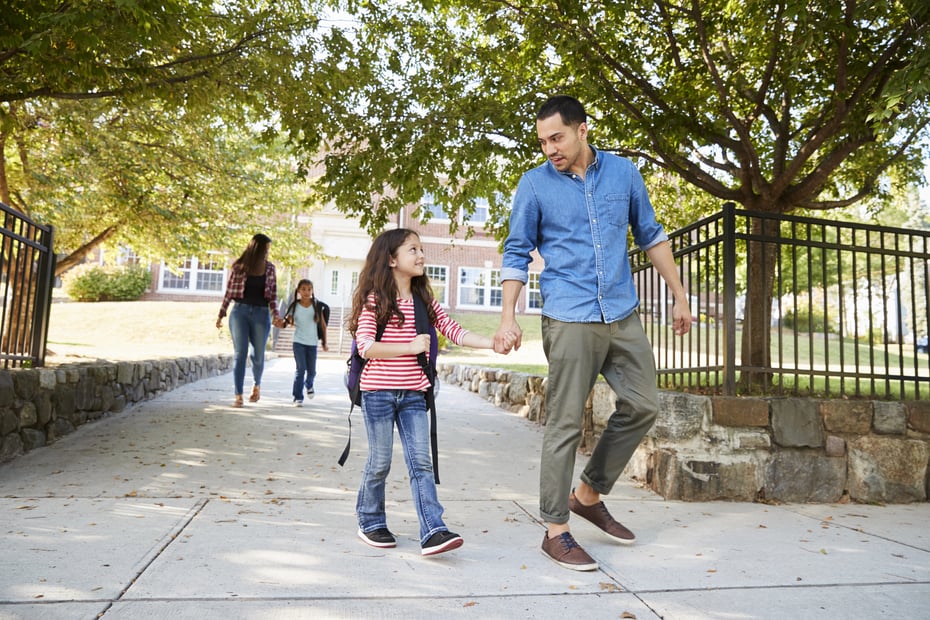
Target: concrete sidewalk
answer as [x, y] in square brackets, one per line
[184, 507]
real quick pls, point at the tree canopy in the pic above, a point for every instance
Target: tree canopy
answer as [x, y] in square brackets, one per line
[777, 105]
[151, 123]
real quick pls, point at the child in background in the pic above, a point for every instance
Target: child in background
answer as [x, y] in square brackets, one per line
[309, 332]
[393, 384]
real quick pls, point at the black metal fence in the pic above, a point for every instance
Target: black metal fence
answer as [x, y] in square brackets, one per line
[844, 307]
[27, 273]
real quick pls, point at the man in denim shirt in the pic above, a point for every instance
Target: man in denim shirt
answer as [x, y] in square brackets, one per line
[576, 209]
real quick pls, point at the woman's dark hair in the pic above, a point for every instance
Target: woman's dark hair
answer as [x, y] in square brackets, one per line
[253, 258]
[569, 108]
[377, 278]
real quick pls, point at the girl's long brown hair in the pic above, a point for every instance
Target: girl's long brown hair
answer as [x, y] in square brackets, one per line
[377, 278]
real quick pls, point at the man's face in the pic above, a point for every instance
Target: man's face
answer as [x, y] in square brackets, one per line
[562, 144]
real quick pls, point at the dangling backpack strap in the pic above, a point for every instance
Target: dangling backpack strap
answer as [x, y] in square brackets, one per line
[355, 391]
[421, 317]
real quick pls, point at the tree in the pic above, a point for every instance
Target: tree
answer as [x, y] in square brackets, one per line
[777, 105]
[151, 122]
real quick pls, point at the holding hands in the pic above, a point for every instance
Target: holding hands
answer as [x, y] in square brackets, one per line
[508, 337]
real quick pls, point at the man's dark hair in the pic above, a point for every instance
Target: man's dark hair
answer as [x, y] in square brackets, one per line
[569, 108]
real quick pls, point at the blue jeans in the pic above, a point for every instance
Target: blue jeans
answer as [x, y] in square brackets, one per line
[249, 326]
[382, 409]
[305, 357]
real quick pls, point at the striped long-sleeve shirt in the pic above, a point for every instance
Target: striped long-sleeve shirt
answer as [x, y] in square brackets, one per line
[401, 372]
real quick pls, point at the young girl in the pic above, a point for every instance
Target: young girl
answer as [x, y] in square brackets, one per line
[393, 384]
[310, 331]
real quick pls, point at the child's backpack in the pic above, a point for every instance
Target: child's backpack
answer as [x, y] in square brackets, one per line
[356, 363]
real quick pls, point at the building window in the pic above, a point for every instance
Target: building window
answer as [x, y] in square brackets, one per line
[126, 256]
[479, 288]
[480, 215]
[210, 274]
[438, 279]
[195, 276]
[533, 295]
[176, 279]
[430, 211]
[334, 284]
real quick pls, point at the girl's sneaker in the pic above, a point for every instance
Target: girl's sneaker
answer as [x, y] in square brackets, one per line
[381, 538]
[310, 393]
[440, 542]
[298, 403]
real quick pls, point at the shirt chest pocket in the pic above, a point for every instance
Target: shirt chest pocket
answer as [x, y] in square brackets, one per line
[615, 210]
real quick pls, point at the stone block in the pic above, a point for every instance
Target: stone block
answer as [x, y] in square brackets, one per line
[32, 438]
[801, 476]
[518, 387]
[918, 416]
[28, 415]
[796, 423]
[889, 418]
[888, 470]
[702, 478]
[752, 440]
[740, 411]
[48, 379]
[7, 389]
[26, 383]
[126, 373]
[847, 416]
[680, 416]
[9, 421]
[11, 446]
[835, 446]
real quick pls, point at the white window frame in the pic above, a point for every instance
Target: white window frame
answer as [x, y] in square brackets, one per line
[532, 292]
[440, 285]
[487, 286]
[193, 270]
[428, 203]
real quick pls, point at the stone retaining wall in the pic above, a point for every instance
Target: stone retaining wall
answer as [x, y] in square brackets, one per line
[37, 406]
[705, 448]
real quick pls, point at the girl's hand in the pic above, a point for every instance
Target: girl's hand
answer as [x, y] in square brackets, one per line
[219, 322]
[420, 344]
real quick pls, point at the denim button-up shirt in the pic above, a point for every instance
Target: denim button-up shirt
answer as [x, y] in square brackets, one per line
[580, 228]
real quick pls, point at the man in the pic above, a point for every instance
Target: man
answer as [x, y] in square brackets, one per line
[576, 209]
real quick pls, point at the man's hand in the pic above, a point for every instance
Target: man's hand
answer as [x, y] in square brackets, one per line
[509, 336]
[681, 318]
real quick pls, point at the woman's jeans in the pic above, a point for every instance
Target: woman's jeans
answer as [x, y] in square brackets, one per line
[249, 325]
[382, 409]
[305, 357]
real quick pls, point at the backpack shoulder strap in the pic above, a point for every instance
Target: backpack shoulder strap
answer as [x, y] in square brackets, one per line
[421, 316]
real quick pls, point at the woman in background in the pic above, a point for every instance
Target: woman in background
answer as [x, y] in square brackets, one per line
[253, 285]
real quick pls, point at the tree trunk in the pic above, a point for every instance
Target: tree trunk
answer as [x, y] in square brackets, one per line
[756, 351]
[75, 258]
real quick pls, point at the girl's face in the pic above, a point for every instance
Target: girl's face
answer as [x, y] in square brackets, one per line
[305, 291]
[409, 259]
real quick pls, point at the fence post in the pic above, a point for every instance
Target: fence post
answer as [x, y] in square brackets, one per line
[729, 299]
[43, 306]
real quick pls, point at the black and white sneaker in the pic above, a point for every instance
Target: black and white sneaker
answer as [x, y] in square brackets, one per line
[381, 538]
[310, 393]
[440, 542]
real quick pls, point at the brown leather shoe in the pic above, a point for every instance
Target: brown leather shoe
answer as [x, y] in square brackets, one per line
[238, 402]
[599, 516]
[256, 394]
[564, 551]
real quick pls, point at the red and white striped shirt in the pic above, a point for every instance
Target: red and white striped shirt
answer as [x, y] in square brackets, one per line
[401, 372]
